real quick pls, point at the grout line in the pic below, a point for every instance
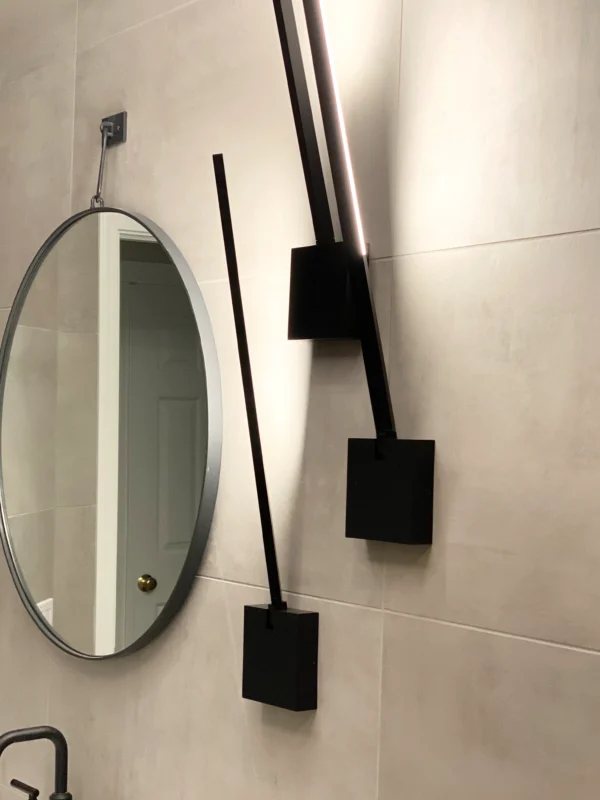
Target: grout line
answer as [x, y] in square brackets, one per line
[502, 634]
[559, 235]
[46, 510]
[434, 620]
[210, 281]
[137, 25]
[379, 711]
[75, 57]
[293, 594]
[34, 327]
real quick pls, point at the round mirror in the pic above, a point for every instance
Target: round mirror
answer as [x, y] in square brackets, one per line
[110, 433]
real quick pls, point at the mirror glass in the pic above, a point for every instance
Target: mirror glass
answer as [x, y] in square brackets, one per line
[105, 434]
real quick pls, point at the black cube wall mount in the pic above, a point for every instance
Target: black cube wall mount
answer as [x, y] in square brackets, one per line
[281, 650]
[320, 297]
[389, 495]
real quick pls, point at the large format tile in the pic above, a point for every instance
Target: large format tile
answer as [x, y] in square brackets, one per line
[32, 537]
[77, 419]
[184, 727]
[35, 166]
[38, 309]
[75, 576]
[309, 404]
[471, 714]
[24, 682]
[77, 269]
[99, 19]
[32, 34]
[332, 753]
[28, 422]
[495, 356]
[498, 121]
[205, 79]
[365, 40]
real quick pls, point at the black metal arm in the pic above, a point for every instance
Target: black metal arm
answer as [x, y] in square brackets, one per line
[375, 368]
[304, 121]
[264, 508]
[61, 762]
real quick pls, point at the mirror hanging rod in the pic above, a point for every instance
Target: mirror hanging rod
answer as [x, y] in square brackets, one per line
[114, 131]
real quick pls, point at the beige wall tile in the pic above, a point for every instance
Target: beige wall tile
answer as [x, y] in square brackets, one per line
[470, 714]
[77, 419]
[199, 81]
[39, 307]
[495, 357]
[365, 39]
[32, 536]
[182, 699]
[78, 278]
[498, 121]
[331, 753]
[28, 419]
[24, 683]
[32, 34]
[75, 576]
[99, 19]
[299, 395]
[35, 168]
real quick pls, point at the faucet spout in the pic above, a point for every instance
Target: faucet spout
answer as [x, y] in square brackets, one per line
[61, 762]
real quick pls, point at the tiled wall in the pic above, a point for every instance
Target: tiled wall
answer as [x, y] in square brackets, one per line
[471, 671]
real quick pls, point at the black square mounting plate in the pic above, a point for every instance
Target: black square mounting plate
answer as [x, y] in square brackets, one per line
[281, 657]
[390, 490]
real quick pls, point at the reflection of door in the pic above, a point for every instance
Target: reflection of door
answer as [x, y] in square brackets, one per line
[162, 424]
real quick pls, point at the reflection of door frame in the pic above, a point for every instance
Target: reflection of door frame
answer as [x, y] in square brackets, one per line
[112, 230]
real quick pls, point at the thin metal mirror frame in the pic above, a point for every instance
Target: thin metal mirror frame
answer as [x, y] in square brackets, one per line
[215, 437]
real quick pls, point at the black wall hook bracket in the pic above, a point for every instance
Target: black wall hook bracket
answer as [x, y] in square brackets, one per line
[390, 481]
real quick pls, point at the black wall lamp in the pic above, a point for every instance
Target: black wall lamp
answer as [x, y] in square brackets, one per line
[390, 480]
[280, 644]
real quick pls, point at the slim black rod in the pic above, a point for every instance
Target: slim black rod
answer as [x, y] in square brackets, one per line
[246, 369]
[377, 379]
[304, 121]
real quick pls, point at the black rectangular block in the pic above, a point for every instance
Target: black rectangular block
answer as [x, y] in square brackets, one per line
[390, 490]
[320, 302]
[281, 651]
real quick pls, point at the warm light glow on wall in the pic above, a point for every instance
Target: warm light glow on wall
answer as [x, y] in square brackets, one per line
[346, 146]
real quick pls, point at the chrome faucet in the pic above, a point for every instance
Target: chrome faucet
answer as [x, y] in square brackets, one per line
[61, 763]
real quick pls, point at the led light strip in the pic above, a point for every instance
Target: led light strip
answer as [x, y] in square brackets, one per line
[345, 144]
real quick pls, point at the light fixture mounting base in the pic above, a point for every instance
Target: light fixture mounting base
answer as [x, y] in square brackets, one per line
[389, 495]
[117, 128]
[281, 649]
[321, 305]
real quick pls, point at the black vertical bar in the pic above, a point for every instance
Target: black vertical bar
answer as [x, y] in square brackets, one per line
[246, 369]
[304, 121]
[376, 373]
[331, 124]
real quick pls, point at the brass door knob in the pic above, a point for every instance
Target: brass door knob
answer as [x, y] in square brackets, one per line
[147, 583]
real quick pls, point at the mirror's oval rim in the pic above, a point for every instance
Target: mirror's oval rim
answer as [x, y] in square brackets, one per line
[208, 499]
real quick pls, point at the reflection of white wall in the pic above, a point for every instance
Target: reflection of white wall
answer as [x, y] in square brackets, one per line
[112, 229]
